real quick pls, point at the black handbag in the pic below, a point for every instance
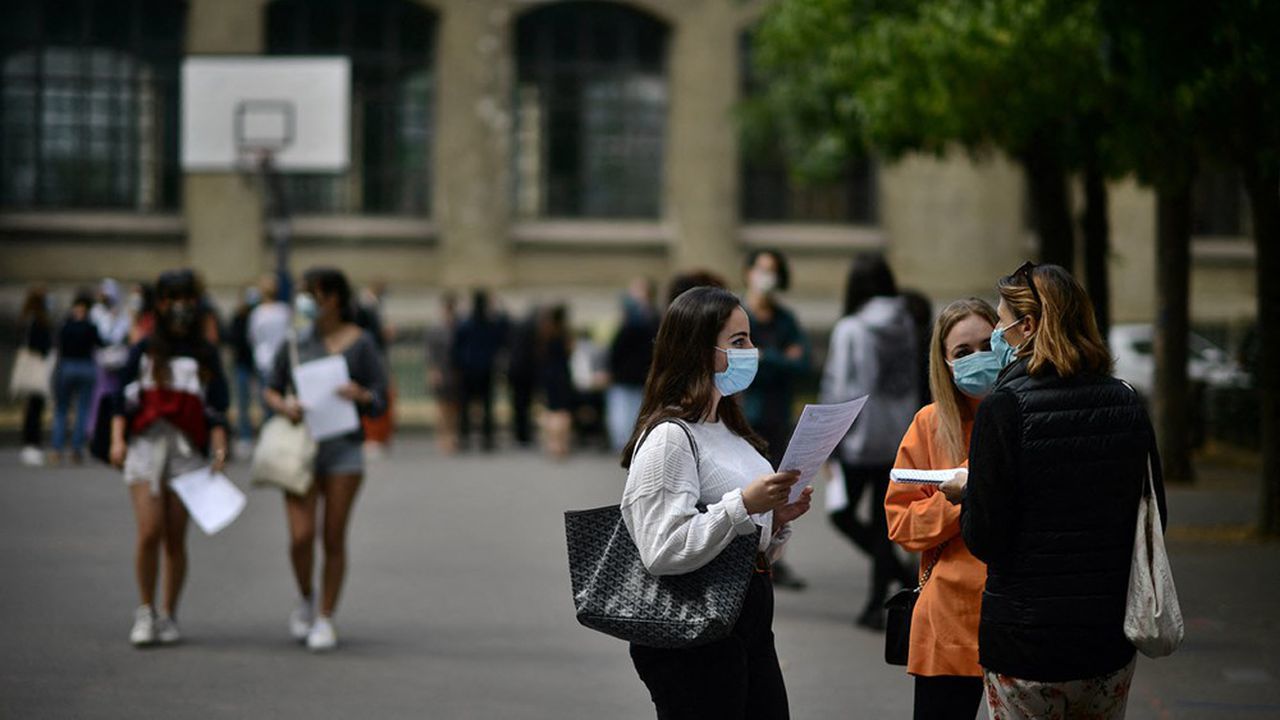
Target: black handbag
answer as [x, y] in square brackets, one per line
[899, 609]
[614, 594]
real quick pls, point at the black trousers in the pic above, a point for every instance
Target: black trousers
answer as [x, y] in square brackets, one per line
[33, 421]
[872, 538]
[521, 405]
[947, 697]
[477, 387]
[737, 678]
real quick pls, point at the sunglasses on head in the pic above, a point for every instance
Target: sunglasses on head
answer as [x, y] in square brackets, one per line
[1024, 273]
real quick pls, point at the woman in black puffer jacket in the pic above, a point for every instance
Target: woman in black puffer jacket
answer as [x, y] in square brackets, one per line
[1058, 462]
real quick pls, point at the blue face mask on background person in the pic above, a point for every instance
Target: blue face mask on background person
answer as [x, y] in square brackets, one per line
[976, 373]
[305, 306]
[743, 363]
[1004, 352]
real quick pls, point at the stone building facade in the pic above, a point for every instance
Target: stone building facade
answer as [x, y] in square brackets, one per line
[544, 149]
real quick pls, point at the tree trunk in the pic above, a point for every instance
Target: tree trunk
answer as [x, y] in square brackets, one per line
[1263, 186]
[1097, 243]
[1047, 190]
[1171, 398]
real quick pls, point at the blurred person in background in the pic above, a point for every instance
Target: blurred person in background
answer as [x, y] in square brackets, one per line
[325, 303]
[692, 279]
[370, 315]
[37, 337]
[248, 383]
[784, 360]
[442, 379]
[873, 352]
[943, 655]
[476, 345]
[921, 309]
[210, 320]
[169, 419]
[523, 373]
[74, 378]
[269, 326]
[554, 348]
[630, 355]
[112, 318]
[142, 312]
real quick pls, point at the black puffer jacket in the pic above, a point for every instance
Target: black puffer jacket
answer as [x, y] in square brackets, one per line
[1056, 469]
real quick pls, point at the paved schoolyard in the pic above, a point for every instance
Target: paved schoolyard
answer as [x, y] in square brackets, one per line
[457, 606]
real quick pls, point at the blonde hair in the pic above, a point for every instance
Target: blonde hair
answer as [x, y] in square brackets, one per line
[1066, 338]
[949, 401]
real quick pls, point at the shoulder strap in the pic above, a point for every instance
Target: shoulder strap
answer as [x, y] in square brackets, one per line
[693, 444]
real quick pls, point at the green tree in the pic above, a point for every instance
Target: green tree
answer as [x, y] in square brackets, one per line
[1024, 76]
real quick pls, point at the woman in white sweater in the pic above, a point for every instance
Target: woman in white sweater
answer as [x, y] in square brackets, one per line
[683, 511]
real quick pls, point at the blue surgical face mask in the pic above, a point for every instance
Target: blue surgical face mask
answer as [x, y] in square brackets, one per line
[976, 373]
[305, 305]
[1004, 352]
[743, 363]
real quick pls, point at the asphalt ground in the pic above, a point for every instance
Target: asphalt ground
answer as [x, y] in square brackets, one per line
[457, 605]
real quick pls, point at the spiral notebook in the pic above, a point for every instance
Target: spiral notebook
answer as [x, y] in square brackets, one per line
[922, 477]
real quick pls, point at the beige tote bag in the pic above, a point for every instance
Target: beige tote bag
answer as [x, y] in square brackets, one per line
[1152, 618]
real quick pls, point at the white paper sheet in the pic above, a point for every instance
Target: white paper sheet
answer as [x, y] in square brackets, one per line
[837, 496]
[923, 477]
[819, 431]
[326, 413]
[212, 500]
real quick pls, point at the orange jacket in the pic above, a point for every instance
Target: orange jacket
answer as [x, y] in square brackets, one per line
[944, 628]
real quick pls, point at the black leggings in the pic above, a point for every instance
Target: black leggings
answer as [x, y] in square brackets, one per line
[33, 422]
[947, 697]
[872, 538]
[737, 678]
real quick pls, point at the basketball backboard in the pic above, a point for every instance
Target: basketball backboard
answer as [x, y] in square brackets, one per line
[298, 109]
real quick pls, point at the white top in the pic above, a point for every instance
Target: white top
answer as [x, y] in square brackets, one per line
[269, 325]
[659, 504]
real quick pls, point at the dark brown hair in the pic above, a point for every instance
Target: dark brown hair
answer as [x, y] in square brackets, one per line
[162, 346]
[681, 379]
[35, 308]
[1066, 339]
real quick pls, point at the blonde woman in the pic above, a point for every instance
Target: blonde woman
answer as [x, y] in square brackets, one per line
[944, 628]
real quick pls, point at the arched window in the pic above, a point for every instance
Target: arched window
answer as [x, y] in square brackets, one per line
[391, 44]
[770, 193]
[590, 112]
[89, 107]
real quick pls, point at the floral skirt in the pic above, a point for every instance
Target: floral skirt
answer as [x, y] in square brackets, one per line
[1099, 698]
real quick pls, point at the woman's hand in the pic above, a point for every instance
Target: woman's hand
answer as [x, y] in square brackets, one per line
[954, 488]
[117, 453]
[356, 393]
[792, 511]
[769, 491]
[291, 408]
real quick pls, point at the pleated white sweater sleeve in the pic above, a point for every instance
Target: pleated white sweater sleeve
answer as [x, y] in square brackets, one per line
[659, 506]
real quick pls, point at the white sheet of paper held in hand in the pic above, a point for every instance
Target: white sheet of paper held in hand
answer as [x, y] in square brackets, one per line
[922, 477]
[327, 413]
[820, 430]
[212, 500]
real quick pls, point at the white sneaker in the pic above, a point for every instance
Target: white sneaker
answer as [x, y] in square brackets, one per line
[167, 632]
[301, 619]
[144, 626]
[322, 636]
[32, 456]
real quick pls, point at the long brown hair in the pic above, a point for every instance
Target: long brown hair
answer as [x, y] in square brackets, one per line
[35, 307]
[1066, 340]
[681, 379]
[950, 402]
